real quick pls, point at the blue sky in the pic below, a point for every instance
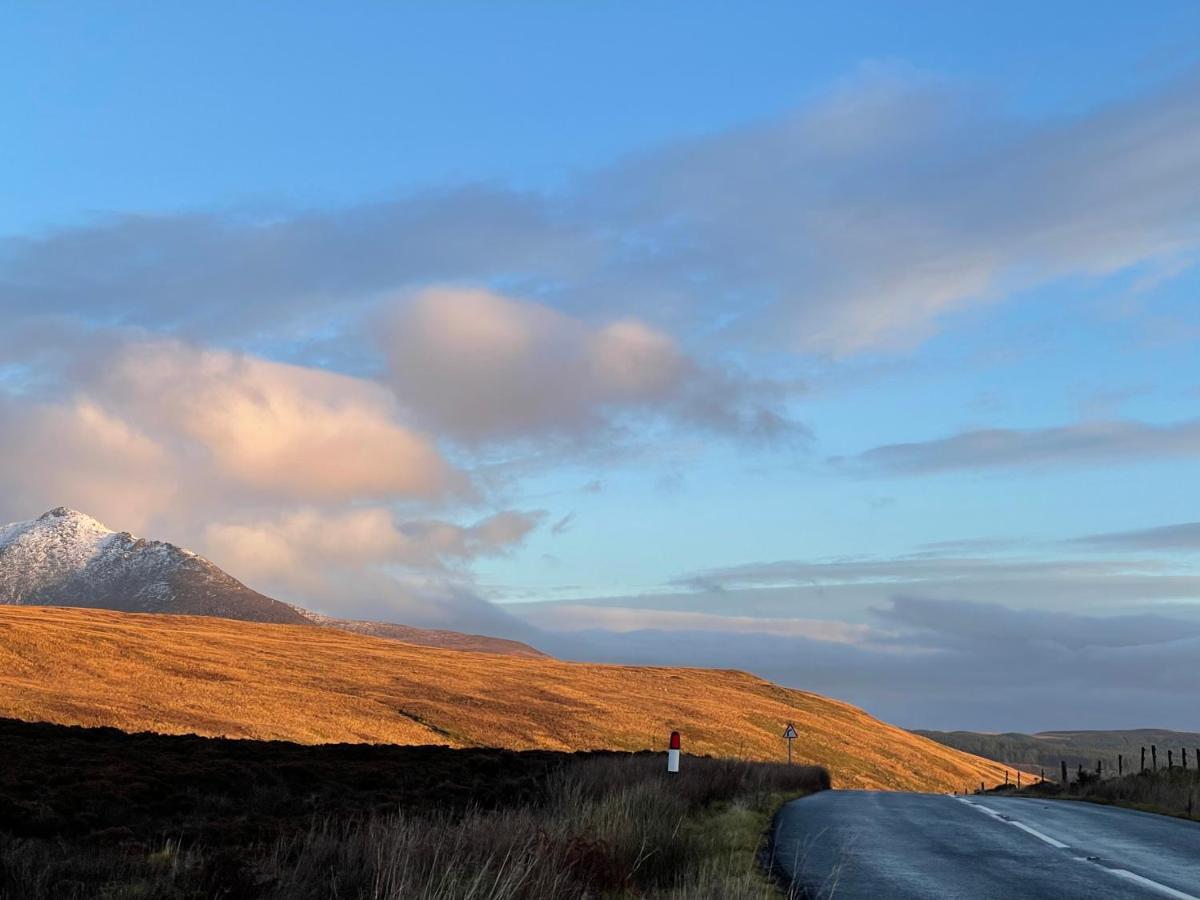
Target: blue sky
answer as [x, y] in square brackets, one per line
[434, 312]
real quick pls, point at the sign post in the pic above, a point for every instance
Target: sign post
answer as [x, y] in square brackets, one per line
[673, 754]
[789, 735]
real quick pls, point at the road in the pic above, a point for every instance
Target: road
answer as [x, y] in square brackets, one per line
[892, 846]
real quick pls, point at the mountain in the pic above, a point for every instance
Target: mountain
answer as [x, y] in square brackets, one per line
[218, 677]
[65, 558]
[1049, 749]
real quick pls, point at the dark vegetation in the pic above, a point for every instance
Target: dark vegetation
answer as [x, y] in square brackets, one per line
[1163, 786]
[1048, 749]
[99, 813]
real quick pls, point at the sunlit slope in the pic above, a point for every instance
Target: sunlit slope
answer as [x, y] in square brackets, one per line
[191, 674]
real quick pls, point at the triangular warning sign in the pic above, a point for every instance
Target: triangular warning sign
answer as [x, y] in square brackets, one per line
[790, 731]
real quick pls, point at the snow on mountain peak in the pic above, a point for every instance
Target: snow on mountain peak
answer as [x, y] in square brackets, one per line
[65, 557]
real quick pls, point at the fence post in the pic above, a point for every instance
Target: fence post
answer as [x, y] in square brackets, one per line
[1170, 759]
[1183, 756]
[1099, 769]
[1018, 779]
[1154, 757]
[1064, 773]
[1143, 769]
[1120, 764]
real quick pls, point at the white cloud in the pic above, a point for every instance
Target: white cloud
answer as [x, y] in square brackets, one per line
[79, 451]
[623, 619]
[313, 550]
[276, 429]
[851, 223]
[477, 365]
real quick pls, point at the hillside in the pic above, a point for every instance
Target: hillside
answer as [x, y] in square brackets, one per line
[215, 677]
[1048, 749]
[67, 558]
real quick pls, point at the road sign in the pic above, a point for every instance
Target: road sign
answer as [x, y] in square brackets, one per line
[789, 734]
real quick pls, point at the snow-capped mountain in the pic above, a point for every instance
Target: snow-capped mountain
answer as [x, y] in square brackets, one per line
[66, 558]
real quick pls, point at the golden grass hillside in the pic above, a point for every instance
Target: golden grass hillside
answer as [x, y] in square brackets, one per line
[218, 677]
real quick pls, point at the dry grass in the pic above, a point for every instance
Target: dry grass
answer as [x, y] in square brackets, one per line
[216, 677]
[609, 827]
[1172, 792]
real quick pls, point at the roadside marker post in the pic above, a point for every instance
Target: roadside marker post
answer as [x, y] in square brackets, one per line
[789, 735]
[673, 754]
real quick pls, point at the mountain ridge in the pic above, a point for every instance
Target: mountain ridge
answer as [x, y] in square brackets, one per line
[67, 558]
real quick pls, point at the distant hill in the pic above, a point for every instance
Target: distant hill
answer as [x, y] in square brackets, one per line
[67, 558]
[1048, 749]
[426, 637]
[224, 678]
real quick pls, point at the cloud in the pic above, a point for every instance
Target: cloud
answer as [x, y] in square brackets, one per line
[1089, 443]
[79, 451]
[854, 222]
[157, 433]
[940, 663]
[623, 619]
[477, 365]
[1184, 536]
[230, 273]
[851, 589]
[857, 222]
[947, 623]
[295, 432]
[314, 550]
[906, 569]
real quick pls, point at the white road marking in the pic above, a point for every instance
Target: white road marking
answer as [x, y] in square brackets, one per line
[1119, 873]
[1041, 837]
[1151, 885]
[1033, 831]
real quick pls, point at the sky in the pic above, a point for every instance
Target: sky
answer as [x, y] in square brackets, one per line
[854, 345]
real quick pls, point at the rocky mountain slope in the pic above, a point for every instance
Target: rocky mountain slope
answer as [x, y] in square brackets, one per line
[67, 558]
[217, 677]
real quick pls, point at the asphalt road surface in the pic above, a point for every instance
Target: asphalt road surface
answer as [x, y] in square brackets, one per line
[890, 846]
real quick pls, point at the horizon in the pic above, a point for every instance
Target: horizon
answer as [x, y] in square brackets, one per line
[857, 350]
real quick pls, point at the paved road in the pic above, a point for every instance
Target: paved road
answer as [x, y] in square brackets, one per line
[891, 846]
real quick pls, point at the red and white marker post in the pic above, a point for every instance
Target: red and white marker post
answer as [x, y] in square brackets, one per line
[673, 754]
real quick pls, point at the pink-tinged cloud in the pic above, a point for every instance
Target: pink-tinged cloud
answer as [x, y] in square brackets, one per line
[309, 548]
[479, 366]
[77, 450]
[622, 619]
[290, 431]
